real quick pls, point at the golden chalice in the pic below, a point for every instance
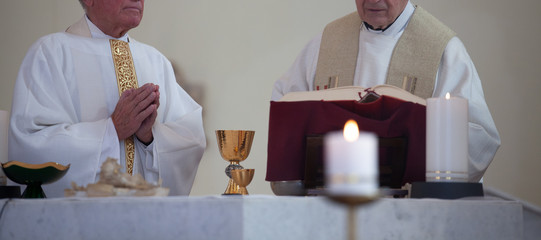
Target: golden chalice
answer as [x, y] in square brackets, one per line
[242, 177]
[234, 146]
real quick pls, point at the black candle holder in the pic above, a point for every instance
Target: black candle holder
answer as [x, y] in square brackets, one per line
[446, 190]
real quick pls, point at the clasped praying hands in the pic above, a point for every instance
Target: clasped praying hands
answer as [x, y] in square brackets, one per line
[136, 112]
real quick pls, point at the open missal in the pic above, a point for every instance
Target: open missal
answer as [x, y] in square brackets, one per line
[354, 93]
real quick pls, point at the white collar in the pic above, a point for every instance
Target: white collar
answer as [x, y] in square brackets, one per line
[97, 33]
[398, 25]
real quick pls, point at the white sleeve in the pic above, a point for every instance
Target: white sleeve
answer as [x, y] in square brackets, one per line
[110, 147]
[300, 76]
[45, 125]
[179, 139]
[458, 76]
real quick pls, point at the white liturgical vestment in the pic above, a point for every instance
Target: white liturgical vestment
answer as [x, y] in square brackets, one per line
[63, 99]
[456, 75]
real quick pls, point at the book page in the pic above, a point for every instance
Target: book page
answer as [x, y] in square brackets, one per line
[352, 93]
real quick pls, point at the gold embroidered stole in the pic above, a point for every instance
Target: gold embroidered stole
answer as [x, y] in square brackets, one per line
[126, 79]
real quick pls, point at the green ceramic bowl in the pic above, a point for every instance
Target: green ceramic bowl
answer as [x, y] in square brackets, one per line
[34, 175]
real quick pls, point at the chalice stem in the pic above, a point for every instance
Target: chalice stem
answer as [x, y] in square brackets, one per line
[33, 190]
[232, 187]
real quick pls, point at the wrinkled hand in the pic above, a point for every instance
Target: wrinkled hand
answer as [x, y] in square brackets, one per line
[136, 111]
[144, 133]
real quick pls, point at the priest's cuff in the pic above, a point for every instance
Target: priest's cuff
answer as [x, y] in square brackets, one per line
[147, 146]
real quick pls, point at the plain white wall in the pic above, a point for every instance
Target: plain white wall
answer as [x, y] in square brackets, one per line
[229, 53]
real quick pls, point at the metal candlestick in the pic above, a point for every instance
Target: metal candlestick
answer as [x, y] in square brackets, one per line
[352, 202]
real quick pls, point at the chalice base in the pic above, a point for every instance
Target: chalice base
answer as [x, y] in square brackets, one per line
[33, 190]
[232, 188]
[243, 191]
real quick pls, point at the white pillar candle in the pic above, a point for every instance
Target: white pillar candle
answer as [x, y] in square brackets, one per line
[4, 123]
[447, 139]
[351, 162]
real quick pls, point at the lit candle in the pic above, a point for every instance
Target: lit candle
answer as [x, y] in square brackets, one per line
[351, 162]
[447, 139]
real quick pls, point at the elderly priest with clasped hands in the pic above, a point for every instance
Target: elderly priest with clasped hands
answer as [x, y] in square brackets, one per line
[93, 92]
[397, 43]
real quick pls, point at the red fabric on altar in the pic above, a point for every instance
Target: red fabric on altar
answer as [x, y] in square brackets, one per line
[388, 117]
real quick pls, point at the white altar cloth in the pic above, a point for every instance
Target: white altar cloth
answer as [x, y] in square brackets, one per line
[256, 217]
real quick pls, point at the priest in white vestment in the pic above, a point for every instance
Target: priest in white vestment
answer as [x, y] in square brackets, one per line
[67, 109]
[383, 24]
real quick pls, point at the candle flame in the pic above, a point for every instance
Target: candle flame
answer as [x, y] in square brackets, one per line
[447, 96]
[351, 131]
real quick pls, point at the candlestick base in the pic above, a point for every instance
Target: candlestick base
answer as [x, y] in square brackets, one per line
[446, 190]
[352, 200]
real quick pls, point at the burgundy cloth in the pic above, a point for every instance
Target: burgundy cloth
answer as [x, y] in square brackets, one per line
[291, 122]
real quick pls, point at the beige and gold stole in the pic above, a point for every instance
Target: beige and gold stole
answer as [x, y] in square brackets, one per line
[126, 79]
[414, 63]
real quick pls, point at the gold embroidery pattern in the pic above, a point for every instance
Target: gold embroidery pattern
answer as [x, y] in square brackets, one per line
[129, 146]
[126, 79]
